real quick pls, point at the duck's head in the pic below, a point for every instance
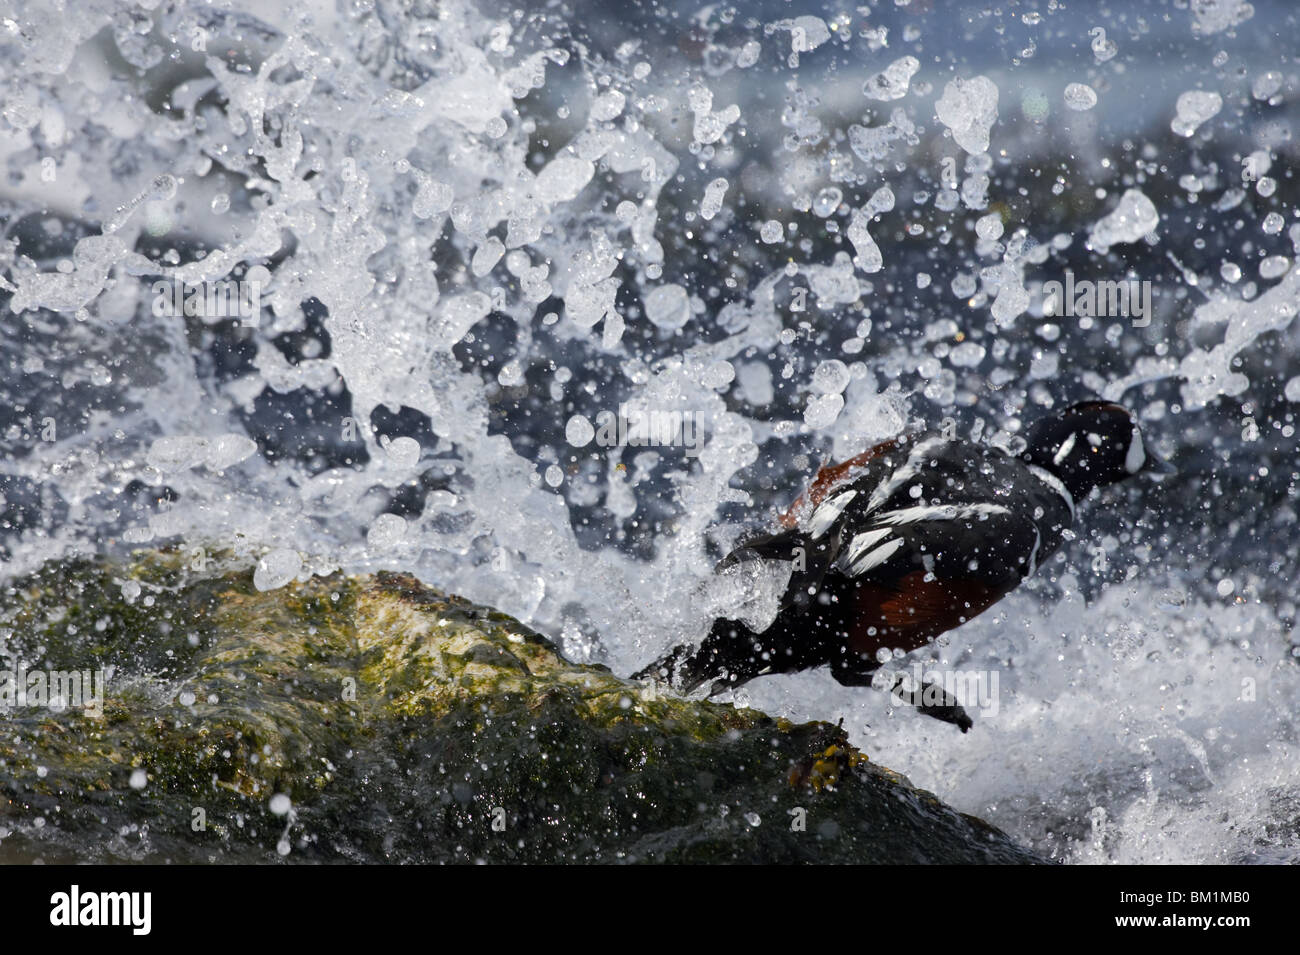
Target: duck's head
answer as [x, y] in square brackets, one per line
[1091, 444]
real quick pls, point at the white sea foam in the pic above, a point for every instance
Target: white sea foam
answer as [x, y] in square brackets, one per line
[446, 196]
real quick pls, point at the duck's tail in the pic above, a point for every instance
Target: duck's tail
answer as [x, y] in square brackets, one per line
[728, 656]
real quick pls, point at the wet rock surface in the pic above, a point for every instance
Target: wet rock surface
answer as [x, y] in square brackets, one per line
[375, 719]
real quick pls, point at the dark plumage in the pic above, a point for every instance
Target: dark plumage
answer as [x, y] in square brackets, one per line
[908, 540]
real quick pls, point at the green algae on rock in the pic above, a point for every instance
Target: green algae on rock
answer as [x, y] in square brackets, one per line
[374, 719]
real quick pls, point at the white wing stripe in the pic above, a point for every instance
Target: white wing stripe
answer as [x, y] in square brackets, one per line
[827, 513]
[875, 557]
[940, 512]
[904, 474]
[864, 542]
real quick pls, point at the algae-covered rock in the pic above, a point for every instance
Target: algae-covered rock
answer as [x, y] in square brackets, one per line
[375, 719]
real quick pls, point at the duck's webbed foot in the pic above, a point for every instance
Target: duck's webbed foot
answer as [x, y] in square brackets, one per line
[932, 700]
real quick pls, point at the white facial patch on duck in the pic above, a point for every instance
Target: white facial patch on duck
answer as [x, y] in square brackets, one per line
[1064, 451]
[828, 512]
[1137, 453]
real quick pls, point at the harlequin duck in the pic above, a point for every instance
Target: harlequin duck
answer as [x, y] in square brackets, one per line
[908, 540]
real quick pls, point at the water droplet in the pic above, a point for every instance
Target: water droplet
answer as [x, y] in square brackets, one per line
[1080, 96]
[578, 432]
[276, 569]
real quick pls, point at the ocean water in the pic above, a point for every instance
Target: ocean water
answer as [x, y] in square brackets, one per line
[443, 248]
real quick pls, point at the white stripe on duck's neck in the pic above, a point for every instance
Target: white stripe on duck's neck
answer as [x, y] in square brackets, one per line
[1056, 484]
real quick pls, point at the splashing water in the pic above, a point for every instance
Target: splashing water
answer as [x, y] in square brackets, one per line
[545, 306]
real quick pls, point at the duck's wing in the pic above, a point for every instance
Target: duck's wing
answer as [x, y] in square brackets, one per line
[913, 573]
